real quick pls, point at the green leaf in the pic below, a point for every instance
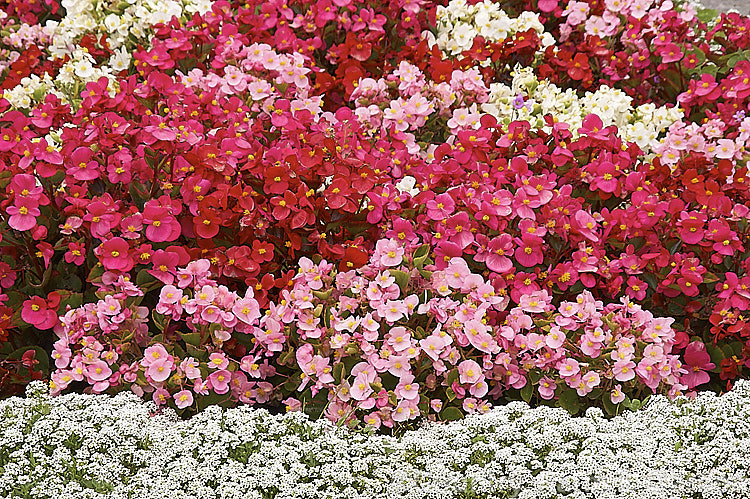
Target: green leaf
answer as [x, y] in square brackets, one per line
[716, 354]
[569, 401]
[452, 376]
[706, 15]
[392, 398]
[450, 394]
[338, 372]
[526, 392]
[423, 250]
[159, 320]
[197, 352]
[451, 414]
[139, 197]
[421, 256]
[609, 407]
[402, 278]
[285, 357]
[41, 356]
[75, 300]
[191, 338]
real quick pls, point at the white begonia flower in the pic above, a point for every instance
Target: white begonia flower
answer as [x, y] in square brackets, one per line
[464, 36]
[407, 184]
[164, 12]
[199, 6]
[84, 69]
[120, 60]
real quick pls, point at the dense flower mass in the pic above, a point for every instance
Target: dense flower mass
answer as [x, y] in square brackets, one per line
[374, 212]
[693, 449]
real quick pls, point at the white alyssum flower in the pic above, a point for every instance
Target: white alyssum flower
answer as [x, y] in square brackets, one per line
[84, 446]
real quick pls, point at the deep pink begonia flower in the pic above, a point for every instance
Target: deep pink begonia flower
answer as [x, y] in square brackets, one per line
[697, 362]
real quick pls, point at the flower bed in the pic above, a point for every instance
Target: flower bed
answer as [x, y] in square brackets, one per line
[375, 212]
[97, 446]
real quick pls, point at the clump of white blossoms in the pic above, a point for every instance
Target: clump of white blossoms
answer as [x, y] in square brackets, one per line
[529, 99]
[30, 90]
[459, 23]
[95, 446]
[124, 23]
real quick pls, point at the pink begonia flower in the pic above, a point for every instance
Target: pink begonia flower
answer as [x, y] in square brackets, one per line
[41, 313]
[469, 405]
[432, 345]
[591, 379]
[469, 372]
[617, 396]
[160, 396]
[23, 214]
[393, 310]
[534, 302]
[624, 370]
[61, 354]
[648, 373]
[677, 390]
[406, 409]
[568, 368]
[162, 226]
[555, 338]
[115, 254]
[547, 5]
[590, 347]
[441, 207]
[373, 419]
[247, 310]
[219, 381]
[183, 399]
[456, 272]
[200, 387]
[399, 338]
[697, 362]
[407, 388]
[361, 389]
[479, 389]
[262, 392]
[586, 225]
[218, 361]
[547, 388]
[98, 371]
[292, 405]
[499, 249]
[170, 294]
[153, 354]
[398, 365]
[189, 367]
[160, 370]
[725, 148]
[211, 314]
[390, 252]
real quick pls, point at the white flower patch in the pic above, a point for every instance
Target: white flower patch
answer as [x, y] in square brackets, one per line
[530, 99]
[459, 23]
[121, 22]
[84, 446]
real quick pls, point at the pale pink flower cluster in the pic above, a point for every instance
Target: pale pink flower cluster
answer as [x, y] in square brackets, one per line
[684, 138]
[407, 100]
[261, 73]
[386, 342]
